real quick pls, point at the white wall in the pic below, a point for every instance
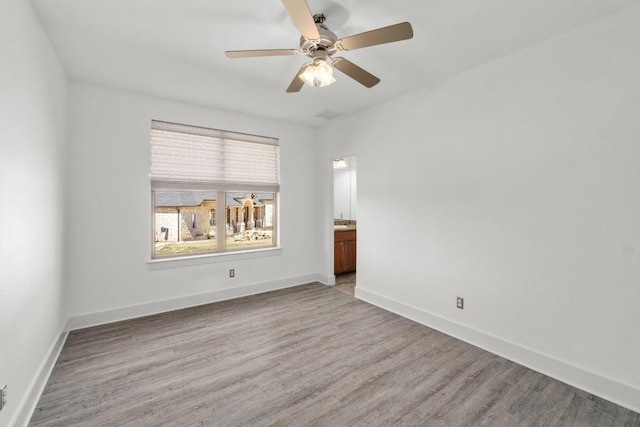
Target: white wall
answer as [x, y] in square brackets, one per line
[33, 107]
[516, 186]
[341, 194]
[344, 190]
[110, 208]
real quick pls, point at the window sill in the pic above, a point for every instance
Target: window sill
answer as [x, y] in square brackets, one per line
[186, 261]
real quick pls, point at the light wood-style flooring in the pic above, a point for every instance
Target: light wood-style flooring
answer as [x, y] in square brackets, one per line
[304, 356]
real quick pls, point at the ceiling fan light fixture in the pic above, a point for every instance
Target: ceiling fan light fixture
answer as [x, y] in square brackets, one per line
[318, 73]
[324, 74]
[308, 75]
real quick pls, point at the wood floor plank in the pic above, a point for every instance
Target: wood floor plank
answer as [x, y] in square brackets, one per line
[308, 355]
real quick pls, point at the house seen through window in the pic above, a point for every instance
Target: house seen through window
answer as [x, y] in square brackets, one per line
[213, 191]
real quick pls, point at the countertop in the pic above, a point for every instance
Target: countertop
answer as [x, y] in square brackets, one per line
[345, 227]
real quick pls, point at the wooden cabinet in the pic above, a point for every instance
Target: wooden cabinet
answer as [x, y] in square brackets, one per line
[344, 251]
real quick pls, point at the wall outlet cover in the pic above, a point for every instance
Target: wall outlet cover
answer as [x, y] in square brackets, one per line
[460, 303]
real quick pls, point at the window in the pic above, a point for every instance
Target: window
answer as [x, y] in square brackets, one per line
[213, 191]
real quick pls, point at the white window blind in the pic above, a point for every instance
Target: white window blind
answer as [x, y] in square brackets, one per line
[194, 158]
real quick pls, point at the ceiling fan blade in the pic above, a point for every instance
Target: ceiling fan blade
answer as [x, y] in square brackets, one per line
[358, 74]
[263, 52]
[392, 33]
[297, 83]
[302, 18]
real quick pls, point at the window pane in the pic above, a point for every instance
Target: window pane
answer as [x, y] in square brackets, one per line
[250, 220]
[183, 222]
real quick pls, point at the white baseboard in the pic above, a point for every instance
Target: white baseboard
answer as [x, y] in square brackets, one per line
[131, 312]
[327, 280]
[39, 381]
[596, 384]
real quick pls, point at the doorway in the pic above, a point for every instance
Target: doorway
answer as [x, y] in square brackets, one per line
[345, 223]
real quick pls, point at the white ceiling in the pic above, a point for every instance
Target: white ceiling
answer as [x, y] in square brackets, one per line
[175, 48]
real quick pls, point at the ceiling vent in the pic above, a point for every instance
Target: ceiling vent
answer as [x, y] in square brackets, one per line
[329, 115]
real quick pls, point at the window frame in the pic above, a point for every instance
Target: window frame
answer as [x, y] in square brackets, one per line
[221, 214]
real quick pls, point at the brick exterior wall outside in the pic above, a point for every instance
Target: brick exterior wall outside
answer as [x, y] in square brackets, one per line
[169, 218]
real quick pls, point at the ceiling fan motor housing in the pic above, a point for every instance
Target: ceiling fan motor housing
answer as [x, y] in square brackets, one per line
[326, 42]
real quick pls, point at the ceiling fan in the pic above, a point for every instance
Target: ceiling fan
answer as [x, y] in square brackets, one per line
[320, 44]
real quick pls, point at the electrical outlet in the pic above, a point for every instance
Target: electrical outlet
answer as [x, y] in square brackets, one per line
[232, 273]
[460, 303]
[3, 398]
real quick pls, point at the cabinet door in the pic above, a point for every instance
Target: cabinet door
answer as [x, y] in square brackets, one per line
[338, 257]
[349, 255]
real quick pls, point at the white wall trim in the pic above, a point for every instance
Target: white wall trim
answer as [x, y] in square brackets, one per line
[39, 381]
[329, 280]
[131, 312]
[591, 382]
[187, 261]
